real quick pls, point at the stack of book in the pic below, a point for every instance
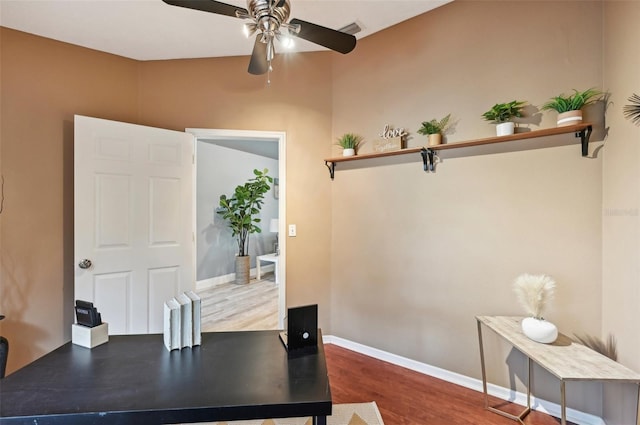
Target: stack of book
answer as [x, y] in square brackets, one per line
[182, 321]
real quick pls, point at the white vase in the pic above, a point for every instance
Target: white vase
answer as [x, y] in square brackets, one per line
[348, 152]
[539, 330]
[505, 128]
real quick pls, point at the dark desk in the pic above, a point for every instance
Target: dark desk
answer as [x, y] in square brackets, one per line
[133, 379]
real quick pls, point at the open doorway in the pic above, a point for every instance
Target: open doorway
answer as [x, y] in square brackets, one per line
[224, 159]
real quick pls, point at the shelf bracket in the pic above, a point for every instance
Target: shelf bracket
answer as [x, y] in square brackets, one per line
[584, 136]
[332, 168]
[427, 160]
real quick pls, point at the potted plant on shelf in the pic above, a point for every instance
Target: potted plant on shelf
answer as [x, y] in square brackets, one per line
[569, 107]
[433, 130]
[240, 210]
[349, 143]
[502, 113]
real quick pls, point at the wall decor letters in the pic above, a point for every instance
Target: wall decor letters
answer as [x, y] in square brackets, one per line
[389, 133]
[392, 139]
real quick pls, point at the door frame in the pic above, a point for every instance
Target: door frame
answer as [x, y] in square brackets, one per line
[202, 134]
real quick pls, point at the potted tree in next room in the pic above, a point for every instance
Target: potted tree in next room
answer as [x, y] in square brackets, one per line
[569, 107]
[240, 210]
[502, 113]
[349, 143]
[433, 130]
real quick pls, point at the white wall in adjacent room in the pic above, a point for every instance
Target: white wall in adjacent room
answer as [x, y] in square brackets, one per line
[219, 171]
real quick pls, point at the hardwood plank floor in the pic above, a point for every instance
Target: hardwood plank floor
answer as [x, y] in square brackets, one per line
[232, 307]
[405, 397]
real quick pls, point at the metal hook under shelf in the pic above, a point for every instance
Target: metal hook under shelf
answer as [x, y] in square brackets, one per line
[332, 168]
[584, 136]
[427, 160]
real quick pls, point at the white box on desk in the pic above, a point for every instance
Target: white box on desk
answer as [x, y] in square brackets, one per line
[89, 337]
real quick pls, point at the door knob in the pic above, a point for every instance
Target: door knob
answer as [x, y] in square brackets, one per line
[85, 263]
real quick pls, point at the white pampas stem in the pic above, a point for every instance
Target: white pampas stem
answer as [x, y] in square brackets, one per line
[533, 292]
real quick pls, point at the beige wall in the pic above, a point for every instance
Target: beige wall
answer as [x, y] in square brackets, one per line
[218, 93]
[399, 259]
[621, 200]
[44, 83]
[414, 255]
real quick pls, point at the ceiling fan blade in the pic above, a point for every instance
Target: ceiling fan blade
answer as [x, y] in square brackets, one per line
[212, 6]
[259, 64]
[327, 37]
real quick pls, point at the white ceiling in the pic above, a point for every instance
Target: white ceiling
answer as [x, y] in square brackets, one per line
[153, 30]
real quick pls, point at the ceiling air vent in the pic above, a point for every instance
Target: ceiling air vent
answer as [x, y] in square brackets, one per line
[352, 28]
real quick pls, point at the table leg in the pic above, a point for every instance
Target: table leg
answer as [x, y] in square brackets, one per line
[319, 420]
[529, 375]
[526, 411]
[257, 269]
[275, 270]
[638, 407]
[484, 372]
[563, 404]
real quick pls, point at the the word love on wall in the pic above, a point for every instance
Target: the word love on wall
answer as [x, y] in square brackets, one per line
[392, 139]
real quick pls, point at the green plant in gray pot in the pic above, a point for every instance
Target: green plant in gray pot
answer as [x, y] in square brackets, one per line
[241, 212]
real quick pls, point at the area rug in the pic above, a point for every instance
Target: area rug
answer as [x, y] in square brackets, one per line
[343, 414]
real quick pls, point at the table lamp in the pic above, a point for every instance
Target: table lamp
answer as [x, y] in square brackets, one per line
[273, 228]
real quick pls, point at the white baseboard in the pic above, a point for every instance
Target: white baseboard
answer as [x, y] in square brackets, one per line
[539, 405]
[205, 284]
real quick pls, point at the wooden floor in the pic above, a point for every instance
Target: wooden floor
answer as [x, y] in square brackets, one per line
[233, 307]
[405, 397]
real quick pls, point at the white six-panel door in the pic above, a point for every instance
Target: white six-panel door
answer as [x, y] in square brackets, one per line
[133, 220]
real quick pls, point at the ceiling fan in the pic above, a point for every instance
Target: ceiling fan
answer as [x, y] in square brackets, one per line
[268, 19]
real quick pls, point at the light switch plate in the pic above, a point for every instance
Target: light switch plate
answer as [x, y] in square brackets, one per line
[292, 230]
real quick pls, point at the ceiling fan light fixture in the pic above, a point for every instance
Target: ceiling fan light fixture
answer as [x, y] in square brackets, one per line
[266, 18]
[287, 42]
[271, 51]
[242, 14]
[249, 29]
[293, 29]
[263, 37]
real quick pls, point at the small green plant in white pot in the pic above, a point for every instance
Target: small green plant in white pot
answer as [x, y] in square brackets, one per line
[349, 143]
[569, 107]
[433, 130]
[501, 114]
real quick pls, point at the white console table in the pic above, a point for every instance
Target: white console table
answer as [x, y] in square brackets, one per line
[565, 359]
[271, 258]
